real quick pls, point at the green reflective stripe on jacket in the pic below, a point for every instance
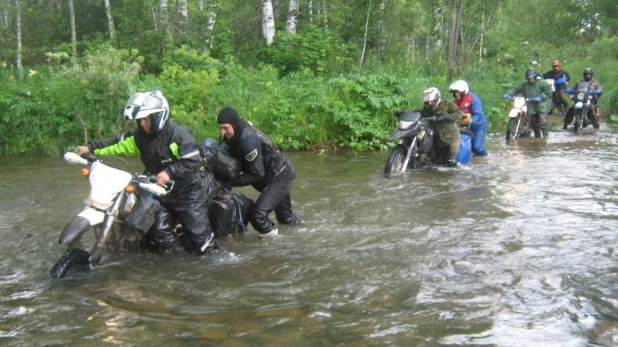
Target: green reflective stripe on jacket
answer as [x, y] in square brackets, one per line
[125, 147]
[174, 149]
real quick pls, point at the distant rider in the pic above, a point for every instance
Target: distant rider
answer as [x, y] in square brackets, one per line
[168, 151]
[443, 116]
[561, 80]
[472, 107]
[264, 167]
[537, 93]
[597, 91]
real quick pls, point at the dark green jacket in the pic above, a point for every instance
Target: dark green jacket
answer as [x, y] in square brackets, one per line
[538, 88]
[448, 132]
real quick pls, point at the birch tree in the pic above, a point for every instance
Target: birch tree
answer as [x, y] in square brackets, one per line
[183, 16]
[381, 33]
[454, 32]
[73, 31]
[210, 27]
[110, 21]
[290, 26]
[164, 23]
[362, 57]
[20, 72]
[268, 21]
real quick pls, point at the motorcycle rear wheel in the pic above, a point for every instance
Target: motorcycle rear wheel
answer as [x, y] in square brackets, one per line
[72, 257]
[394, 162]
[511, 128]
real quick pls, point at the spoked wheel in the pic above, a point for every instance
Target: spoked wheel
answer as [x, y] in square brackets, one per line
[394, 162]
[73, 257]
[511, 129]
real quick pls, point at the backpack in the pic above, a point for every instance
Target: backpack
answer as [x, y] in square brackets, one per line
[229, 213]
[216, 159]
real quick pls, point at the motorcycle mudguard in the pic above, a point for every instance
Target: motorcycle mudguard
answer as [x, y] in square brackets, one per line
[514, 113]
[80, 224]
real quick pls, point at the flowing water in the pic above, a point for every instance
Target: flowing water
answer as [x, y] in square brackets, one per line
[516, 249]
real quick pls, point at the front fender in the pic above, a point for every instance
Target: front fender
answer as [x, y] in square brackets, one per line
[80, 224]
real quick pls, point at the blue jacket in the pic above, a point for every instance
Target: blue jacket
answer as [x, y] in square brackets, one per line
[472, 104]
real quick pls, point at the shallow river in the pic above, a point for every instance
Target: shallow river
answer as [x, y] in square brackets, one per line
[516, 249]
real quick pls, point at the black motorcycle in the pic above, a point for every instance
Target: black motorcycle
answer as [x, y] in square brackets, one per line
[583, 111]
[414, 148]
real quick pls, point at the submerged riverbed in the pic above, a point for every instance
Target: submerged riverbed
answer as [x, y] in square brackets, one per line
[516, 249]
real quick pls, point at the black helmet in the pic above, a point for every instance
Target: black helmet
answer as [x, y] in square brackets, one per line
[531, 73]
[589, 70]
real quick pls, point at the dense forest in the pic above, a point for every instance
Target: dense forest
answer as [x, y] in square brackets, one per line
[311, 73]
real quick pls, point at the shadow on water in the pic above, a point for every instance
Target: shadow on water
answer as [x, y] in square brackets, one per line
[515, 249]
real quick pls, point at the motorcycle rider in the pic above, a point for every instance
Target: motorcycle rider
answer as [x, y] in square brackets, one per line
[264, 167]
[597, 91]
[472, 107]
[561, 80]
[537, 92]
[171, 152]
[443, 116]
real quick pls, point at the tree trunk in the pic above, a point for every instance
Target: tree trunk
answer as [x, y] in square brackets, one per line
[163, 23]
[183, 16]
[290, 26]
[268, 21]
[310, 9]
[200, 5]
[73, 32]
[360, 63]
[381, 34]
[212, 20]
[110, 20]
[20, 70]
[325, 15]
[454, 33]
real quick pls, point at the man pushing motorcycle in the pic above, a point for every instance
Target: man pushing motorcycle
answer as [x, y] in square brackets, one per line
[443, 116]
[561, 81]
[537, 93]
[170, 152]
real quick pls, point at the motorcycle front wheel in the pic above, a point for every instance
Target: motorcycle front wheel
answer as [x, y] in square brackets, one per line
[577, 122]
[394, 162]
[72, 257]
[511, 128]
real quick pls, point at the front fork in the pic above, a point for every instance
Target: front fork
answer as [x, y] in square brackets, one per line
[112, 214]
[409, 154]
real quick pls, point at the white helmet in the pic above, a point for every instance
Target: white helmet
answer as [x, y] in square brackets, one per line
[460, 86]
[143, 104]
[432, 95]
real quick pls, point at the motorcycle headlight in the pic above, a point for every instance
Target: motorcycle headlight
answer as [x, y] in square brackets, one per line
[580, 96]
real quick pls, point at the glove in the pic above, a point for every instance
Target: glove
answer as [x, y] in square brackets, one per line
[598, 91]
[441, 118]
[466, 120]
[507, 96]
[535, 99]
[560, 81]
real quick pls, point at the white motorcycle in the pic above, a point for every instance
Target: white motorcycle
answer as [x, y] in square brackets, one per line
[120, 210]
[519, 119]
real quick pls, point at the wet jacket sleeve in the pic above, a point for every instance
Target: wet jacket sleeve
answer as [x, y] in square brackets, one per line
[253, 162]
[476, 107]
[185, 150]
[123, 144]
[452, 112]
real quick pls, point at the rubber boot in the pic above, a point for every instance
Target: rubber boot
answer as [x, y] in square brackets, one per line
[537, 133]
[544, 132]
